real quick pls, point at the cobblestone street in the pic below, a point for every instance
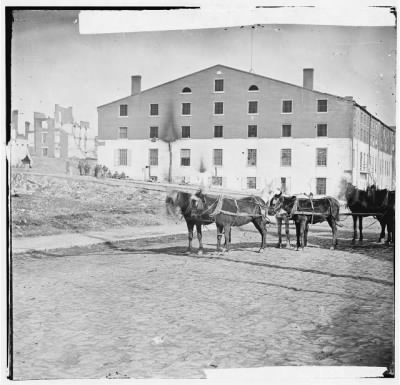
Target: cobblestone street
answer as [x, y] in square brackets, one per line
[145, 308]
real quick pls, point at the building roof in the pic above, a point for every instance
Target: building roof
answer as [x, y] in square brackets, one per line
[230, 68]
[346, 98]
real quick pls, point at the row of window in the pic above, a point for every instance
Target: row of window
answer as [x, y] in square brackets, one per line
[285, 157]
[251, 182]
[252, 131]
[370, 163]
[252, 108]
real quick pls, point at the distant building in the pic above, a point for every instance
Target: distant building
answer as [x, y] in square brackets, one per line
[19, 143]
[61, 136]
[250, 132]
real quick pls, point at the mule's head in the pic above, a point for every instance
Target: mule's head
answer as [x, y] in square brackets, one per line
[351, 194]
[172, 203]
[198, 200]
[275, 203]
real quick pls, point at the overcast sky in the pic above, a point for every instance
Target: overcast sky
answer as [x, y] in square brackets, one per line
[53, 64]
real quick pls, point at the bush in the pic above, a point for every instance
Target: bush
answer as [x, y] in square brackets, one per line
[98, 171]
[81, 167]
[116, 175]
[122, 176]
[86, 168]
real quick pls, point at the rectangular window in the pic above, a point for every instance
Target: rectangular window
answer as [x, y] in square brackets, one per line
[321, 186]
[251, 182]
[287, 106]
[123, 132]
[218, 131]
[252, 131]
[218, 108]
[154, 109]
[185, 157]
[253, 107]
[123, 157]
[361, 159]
[185, 131]
[44, 151]
[153, 156]
[44, 137]
[219, 85]
[186, 109]
[286, 157]
[123, 110]
[286, 130]
[252, 157]
[322, 156]
[217, 158]
[322, 105]
[322, 130]
[216, 180]
[153, 132]
[283, 185]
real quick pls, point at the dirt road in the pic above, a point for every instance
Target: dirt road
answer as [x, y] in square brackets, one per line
[145, 308]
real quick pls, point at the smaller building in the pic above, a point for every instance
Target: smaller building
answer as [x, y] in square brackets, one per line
[61, 136]
[18, 146]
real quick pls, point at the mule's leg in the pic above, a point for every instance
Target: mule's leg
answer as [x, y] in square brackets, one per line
[382, 222]
[306, 226]
[332, 224]
[279, 224]
[228, 238]
[287, 232]
[220, 230]
[200, 239]
[360, 226]
[260, 225]
[354, 228]
[297, 234]
[302, 228]
[227, 230]
[389, 221]
[190, 226]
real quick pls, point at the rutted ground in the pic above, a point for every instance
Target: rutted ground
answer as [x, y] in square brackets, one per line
[147, 309]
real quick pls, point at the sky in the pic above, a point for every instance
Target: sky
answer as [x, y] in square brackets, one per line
[52, 63]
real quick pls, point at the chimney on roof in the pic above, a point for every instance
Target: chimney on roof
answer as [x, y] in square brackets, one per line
[308, 78]
[136, 82]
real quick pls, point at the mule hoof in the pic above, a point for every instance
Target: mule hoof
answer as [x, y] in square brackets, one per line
[278, 246]
[261, 250]
[200, 252]
[332, 248]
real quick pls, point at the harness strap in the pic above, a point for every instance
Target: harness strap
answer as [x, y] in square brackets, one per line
[218, 206]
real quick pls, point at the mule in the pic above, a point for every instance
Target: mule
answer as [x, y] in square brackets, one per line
[371, 202]
[357, 202]
[382, 202]
[280, 216]
[306, 211]
[179, 202]
[230, 212]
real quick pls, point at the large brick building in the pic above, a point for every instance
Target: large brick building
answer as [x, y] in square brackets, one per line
[245, 131]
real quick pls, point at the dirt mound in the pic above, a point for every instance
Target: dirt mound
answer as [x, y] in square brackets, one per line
[45, 205]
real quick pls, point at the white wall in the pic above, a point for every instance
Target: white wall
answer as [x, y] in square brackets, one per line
[301, 175]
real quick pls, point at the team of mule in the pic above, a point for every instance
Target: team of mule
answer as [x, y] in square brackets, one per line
[379, 203]
[200, 209]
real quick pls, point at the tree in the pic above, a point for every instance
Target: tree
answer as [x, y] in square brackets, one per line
[169, 136]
